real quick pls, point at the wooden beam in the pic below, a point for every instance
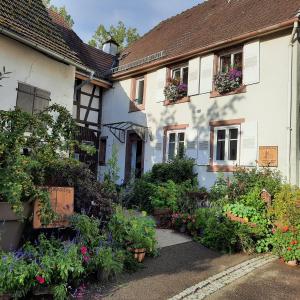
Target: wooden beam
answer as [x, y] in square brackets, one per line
[86, 107]
[96, 81]
[90, 104]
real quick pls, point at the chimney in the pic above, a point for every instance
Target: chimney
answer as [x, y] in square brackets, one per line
[110, 47]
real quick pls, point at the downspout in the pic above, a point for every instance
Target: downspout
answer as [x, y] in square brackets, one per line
[290, 96]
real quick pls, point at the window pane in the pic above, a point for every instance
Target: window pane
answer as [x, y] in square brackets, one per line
[181, 136]
[180, 152]
[233, 134]
[185, 75]
[171, 154]
[233, 149]
[221, 134]
[176, 74]
[238, 61]
[172, 137]
[225, 63]
[140, 91]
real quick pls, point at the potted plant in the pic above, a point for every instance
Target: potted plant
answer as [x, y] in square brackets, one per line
[228, 81]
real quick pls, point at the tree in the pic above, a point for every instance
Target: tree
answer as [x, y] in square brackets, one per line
[121, 34]
[61, 11]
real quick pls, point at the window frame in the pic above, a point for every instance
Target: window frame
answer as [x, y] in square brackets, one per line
[138, 80]
[180, 67]
[232, 53]
[176, 150]
[133, 105]
[226, 161]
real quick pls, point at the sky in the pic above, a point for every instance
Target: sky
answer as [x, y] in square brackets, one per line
[141, 14]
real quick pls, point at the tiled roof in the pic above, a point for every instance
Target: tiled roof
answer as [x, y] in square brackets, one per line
[30, 20]
[92, 57]
[208, 23]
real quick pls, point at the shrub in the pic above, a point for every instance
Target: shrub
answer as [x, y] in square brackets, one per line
[134, 230]
[284, 210]
[178, 170]
[91, 197]
[166, 195]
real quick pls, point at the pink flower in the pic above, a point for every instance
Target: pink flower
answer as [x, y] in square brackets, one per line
[40, 279]
[83, 250]
[86, 258]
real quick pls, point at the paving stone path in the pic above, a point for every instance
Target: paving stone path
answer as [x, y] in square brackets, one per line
[220, 280]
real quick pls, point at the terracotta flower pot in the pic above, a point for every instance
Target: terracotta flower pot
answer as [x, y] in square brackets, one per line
[292, 263]
[139, 254]
[12, 226]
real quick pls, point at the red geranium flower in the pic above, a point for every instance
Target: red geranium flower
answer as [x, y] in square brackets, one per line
[289, 249]
[83, 250]
[40, 279]
[294, 242]
[285, 229]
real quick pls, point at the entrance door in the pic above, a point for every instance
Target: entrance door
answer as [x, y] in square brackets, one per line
[134, 167]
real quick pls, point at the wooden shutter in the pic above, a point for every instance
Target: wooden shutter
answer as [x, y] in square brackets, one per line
[160, 84]
[25, 97]
[204, 146]
[41, 100]
[206, 74]
[248, 155]
[251, 68]
[191, 142]
[194, 76]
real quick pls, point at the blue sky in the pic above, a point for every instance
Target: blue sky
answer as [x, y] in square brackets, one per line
[142, 14]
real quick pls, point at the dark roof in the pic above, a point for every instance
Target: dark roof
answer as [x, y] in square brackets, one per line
[30, 20]
[92, 57]
[208, 23]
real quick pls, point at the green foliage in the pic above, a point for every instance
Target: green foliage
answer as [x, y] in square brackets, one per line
[136, 231]
[165, 196]
[178, 170]
[112, 174]
[121, 34]
[62, 11]
[88, 229]
[60, 292]
[48, 136]
[284, 210]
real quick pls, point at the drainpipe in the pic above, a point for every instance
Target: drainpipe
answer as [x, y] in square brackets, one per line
[290, 95]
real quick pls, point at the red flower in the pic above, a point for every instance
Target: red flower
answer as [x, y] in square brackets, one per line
[83, 250]
[289, 249]
[40, 279]
[285, 229]
[294, 242]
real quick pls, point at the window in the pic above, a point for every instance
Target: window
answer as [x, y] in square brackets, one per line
[175, 144]
[32, 99]
[181, 74]
[102, 151]
[226, 144]
[139, 92]
[233, 59]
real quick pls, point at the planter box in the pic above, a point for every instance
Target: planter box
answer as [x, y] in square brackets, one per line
[11, 226]
[234, 218]
[62, 202]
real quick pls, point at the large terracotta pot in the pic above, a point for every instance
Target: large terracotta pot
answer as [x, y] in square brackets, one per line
[11, 226]
[139, 254]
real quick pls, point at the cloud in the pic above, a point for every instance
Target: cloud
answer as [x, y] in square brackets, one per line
[142, 14]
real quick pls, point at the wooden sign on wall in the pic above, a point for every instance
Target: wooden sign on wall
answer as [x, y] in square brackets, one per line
[268, 156]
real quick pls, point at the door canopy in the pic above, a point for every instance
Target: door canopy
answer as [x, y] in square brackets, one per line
[119, 130]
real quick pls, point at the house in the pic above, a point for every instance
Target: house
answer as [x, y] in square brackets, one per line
[254, 123]
[49, 64]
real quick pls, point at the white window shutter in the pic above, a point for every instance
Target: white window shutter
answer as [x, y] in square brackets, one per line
[206, 74]
[251, 68]
[191, 142]
[158, 147]
[194, 76]
[248, 155]
[160, 84]
[204, 147]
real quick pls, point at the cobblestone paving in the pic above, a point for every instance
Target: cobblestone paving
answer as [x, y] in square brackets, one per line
[220, 280]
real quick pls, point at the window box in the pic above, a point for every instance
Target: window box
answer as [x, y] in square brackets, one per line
[239, 90]
[228, 72]
[176, 87]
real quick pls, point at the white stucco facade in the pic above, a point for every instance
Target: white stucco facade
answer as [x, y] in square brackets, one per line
[34, 68]
[263, 106]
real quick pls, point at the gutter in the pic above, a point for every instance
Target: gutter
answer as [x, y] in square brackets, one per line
[45, 50]
[200, 51]
[290, 96]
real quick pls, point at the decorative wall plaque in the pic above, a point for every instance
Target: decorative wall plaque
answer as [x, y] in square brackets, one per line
[268, 156]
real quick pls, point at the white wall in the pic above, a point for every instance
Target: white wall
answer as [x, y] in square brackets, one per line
[265, 102]
[32, 67]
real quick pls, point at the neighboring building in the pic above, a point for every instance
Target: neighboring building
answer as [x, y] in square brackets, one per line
[50, 64]
[256, 124]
